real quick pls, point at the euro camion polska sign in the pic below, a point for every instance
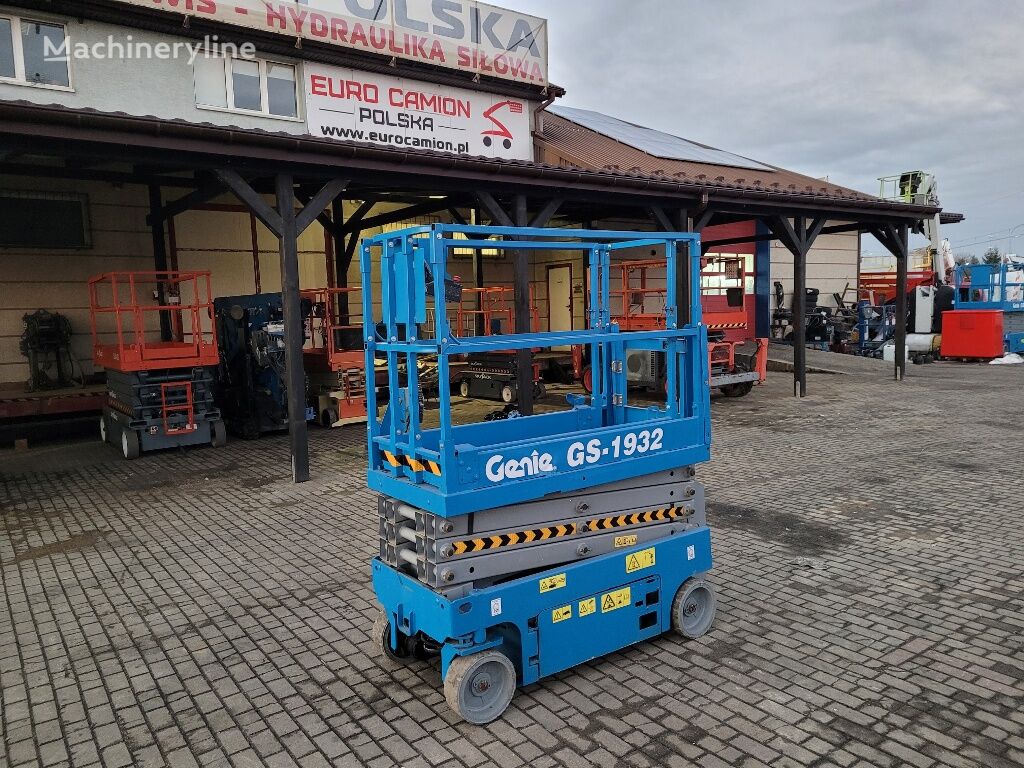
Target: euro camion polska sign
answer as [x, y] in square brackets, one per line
[457, 34]
[350, 105]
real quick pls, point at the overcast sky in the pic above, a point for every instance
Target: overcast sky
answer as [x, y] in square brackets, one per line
[852, 90]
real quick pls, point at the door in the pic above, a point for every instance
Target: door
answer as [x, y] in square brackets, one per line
[560, 299]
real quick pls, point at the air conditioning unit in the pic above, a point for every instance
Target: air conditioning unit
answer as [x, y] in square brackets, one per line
[641, 368]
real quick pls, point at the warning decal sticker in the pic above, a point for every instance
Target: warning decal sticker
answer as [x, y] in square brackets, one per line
[611, 601]
[637, 561]
[552, 582]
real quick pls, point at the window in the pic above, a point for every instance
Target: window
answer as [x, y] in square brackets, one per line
[246, 85]
[43, 220]
[33, 52]
[6, 49]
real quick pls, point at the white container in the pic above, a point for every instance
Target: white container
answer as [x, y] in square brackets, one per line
[889, 352]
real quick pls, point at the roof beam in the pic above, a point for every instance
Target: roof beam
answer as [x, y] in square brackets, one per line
[496, 212]
[193, 199]
[545, 214]
[393, 217]
[250, 197]
[658, 214]
[315, 207]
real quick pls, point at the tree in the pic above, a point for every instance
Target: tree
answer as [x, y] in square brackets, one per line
[966, 258]
[992, 256]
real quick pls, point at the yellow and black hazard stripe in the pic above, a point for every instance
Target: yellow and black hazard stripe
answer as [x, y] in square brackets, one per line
[470, 546]
[637, 518]
[725, 326]
[414, 464]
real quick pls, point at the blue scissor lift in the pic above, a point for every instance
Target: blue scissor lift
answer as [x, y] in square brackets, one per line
[518, 548]
[997, 287]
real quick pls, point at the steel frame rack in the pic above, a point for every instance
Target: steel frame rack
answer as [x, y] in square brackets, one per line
[516, 549]
[449, 470]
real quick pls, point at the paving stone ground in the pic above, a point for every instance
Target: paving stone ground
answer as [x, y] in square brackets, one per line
[197, 609]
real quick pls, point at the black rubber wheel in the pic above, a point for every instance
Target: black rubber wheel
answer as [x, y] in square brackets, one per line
[508, 394]
[218, 434]
[328, 417]
[740, 389]
[131, 447]
[480, 687]
[693, 608]
[389, 658]
[539, 390]
[104, 434]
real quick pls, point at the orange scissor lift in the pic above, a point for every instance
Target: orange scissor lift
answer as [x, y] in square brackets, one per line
[160, 391]
[640, 296]
[335, 359]
[491, 312]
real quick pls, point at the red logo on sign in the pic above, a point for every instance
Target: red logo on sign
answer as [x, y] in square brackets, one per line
[501, 130]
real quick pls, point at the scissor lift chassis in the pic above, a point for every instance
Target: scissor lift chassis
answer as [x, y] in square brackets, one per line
[519, 549]
[139, 409]
[554, 619]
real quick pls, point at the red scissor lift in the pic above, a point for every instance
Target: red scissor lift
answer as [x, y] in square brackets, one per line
[640, 296]
[160, 392]
[491, 312]
[335, 360]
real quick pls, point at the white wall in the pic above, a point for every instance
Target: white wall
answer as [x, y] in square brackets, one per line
[832, 264]
[146, 86]
[34, 278]
[161, 88]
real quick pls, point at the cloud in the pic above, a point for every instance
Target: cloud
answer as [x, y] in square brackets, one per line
[853, 90]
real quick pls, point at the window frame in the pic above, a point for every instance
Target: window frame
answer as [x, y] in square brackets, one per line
[18, 51]
[229, 88]
[81, 198]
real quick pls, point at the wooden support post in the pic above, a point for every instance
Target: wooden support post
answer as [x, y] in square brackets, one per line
[799, 318]
[524, 315]
[156, 223]
[896, 237]
[900, 370]
[798, 236]
[293, 328]
[901, 241]
[338, 239]
[684, 310]
[255, 235]
[478, 281]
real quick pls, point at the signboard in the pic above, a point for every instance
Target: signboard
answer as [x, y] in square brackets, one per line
[350, 105]
[457, 34]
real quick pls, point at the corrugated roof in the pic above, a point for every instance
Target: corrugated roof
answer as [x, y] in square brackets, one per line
[565, 142]
[653, 142]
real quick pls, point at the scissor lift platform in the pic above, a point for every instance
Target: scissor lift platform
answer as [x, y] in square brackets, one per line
[520, 548]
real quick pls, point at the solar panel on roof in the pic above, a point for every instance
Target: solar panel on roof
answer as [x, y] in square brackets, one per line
[656, 143]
